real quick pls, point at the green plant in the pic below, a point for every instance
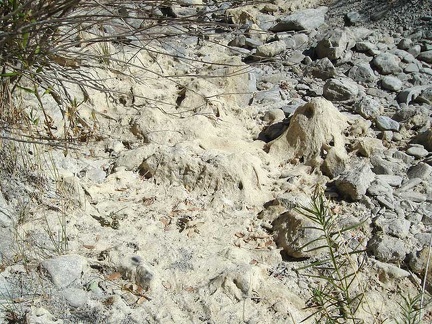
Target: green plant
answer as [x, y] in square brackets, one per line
[335, 298]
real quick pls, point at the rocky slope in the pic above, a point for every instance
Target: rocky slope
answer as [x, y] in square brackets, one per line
[181, 208]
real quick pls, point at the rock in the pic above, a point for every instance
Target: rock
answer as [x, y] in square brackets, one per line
[418, 151]
[392, 180]
[354, 183]
[391, 83]
[415, 50]
[65, 270]
[425, 56]
[404, 56]
[274, 116]
[424, 139]
[367, 47]
[368, 108]
[387, 63]
[75, 297]
[343, 89]
[307, 19]
[322, 69]
[334, 44]
[403, 156]
[334, 163]
[411, 196]
[411, 68]
[362, 73]
[387, 272]
[367, 146]
[387, 248]
[297, 235]
[386, 123]
[352, 18]
[405, 43]
[271, 49]
[418, 264]
[410, 94]
[299, 142]
[382, 166]
[421, 170]
[391, 224]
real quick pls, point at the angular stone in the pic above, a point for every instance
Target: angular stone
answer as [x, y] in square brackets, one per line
[297, 235]
[343, 89]
[307, 19]
[271, 49]
[410, 94]
[421, 171]
[335, 44]
[367, 146]
[392, 225]
[368, 108]
[354, 183]
[386, 123]
[65, 270]
[424, 139]
[387, 63]
[322, 69]
[391, 83]
[392, 180]
[362, 73]
[387, 248]
[425, 56]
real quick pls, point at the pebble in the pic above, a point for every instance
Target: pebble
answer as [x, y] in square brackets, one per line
[387, 248]
[425, 56]
[343, 89]
[417, 151]
[421, 171]
[354, 183]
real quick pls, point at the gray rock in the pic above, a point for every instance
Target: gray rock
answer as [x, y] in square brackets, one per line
[335, 44]
[362, 73]
[343, 89]
[410, 94]
[352, 18]
[411, 196]
[391, 224]
[391, 83]
[387, 63]
[65, 270]
[415, 50]
[425, 139]
[334, 163]
[386, 123]
[403, 156]
[404, 56]
[368, 108]
[418, 263]
[426, 56]
[418, 151]
[392, 180]
[384, 166]
[367, 47]
[421, 170]
[411, 183]
[75, 297]
[388, 272]
[296, 234]
[387, 248]
[354, 183]
[322, 69]
[301, 40]
[271, 49]
[307, 19]
[296, 57]
[405, 43]
[411, 68]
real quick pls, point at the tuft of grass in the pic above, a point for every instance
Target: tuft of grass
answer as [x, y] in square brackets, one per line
[335, 299]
